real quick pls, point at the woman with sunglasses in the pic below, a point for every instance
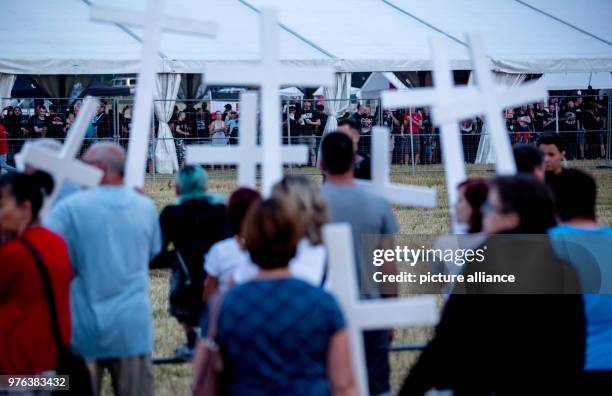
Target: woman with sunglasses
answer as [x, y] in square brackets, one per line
[495, 339]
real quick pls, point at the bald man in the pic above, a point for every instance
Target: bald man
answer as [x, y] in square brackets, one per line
[112, 232]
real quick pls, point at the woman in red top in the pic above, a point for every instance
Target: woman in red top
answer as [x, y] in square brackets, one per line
[27, 344]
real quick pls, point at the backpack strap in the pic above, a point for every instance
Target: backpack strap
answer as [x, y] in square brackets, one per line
[48, 289]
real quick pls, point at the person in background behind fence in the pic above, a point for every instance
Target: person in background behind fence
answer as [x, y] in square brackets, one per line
[231, 124]
[181, 131]
[102, 123]
[427, 135]
[594, 137]
[366, 121]
[549, 123]
[4, 149]
[309, 122]
[56, 124]
[413, 121]
[39, 123]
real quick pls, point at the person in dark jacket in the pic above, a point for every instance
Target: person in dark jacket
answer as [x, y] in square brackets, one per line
[193, 225]
[504, 339]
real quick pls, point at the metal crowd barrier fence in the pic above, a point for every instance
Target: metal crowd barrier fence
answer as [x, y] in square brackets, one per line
[408, 152]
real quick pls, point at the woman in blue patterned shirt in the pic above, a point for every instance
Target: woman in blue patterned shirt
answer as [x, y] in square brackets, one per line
[279, 335]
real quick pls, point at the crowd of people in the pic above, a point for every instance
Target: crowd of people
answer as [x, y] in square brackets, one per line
[249, 280]
[581, 121]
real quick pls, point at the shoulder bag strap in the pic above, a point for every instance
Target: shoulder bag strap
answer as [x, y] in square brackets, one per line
[48, 289]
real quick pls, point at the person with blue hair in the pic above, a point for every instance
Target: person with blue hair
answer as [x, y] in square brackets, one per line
[192, 225]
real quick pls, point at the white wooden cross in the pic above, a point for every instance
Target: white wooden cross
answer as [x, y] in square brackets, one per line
[247, 154]
[450, 136]
[269, 74]
[380, 184]
[154, 22]
[367, 314]
[490, 99]
[452, 104]
[63, 165]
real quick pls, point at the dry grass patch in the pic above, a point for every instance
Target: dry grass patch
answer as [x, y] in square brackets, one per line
[175, 379]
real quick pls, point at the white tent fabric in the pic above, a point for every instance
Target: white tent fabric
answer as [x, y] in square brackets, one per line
[6, 86]
[166, 89]
[321, 92]
[291, 92]
[484, 154]
[339, 101]
[592, 16]
[374, 35]
[567, 81]
[379, 82]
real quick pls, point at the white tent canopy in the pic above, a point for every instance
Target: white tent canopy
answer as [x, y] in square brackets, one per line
[291, 92]
[528, 36]
[379, 82]
[571, 81]
[321, 92]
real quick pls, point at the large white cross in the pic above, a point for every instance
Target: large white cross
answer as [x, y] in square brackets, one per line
[380, 183]
[269, 74]
[367, 314]
[247, 154]
[153, 21]
[450, 136]
[63, 165]
[452, 104]
[490, 99]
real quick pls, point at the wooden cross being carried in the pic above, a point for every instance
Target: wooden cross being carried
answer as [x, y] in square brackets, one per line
[367, 314]
[380, 185]
[153, 22]
[247, 154]
[452, 104]
[63, 165]
[269, 74]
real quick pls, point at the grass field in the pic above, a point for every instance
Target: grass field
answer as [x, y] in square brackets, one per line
[175, 379]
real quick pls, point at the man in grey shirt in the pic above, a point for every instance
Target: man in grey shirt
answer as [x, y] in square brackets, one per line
[373, 223]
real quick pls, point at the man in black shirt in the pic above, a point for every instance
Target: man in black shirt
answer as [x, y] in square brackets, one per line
[56, 124]
[323, 118]
[553, 152]
[569, 126]
[102, 122]
[392, 121]
[39, 123]
[366, 121]
[549, 124]
[309, 123]
[540, 114]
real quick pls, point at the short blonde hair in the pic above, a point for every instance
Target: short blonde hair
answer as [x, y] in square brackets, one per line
[306, 194]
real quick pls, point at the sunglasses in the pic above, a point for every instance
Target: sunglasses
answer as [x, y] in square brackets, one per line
[488, 207]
